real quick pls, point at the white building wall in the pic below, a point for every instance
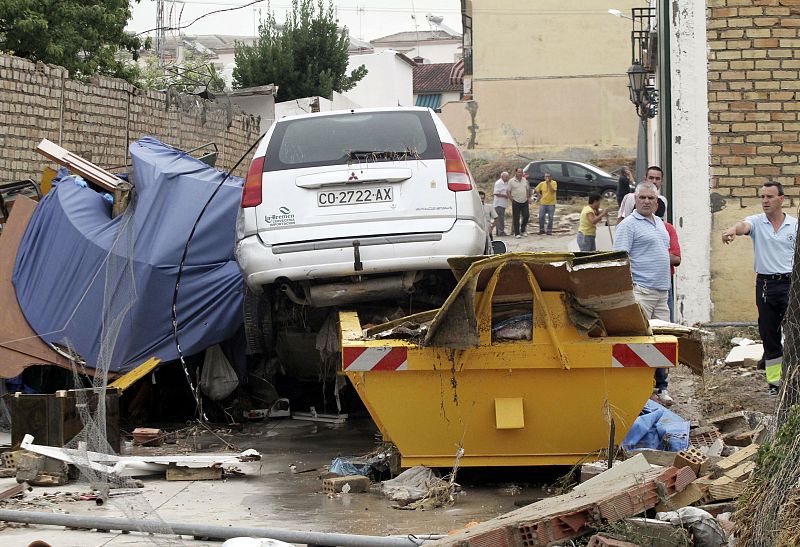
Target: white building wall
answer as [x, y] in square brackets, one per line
[432, 53]
[389, 81]
[691, 176]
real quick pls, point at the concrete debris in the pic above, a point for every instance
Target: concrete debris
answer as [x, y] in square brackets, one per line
[737, 356]
[134, 465]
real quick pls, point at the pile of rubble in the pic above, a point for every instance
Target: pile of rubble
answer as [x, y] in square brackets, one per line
[692, 492]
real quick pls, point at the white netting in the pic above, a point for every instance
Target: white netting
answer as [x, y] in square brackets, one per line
[119, 297]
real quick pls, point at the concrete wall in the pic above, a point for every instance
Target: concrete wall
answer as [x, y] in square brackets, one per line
[258, 102]
[690, 174]
[389, 81]
[549, 78]
[753, 92]
[98, 120]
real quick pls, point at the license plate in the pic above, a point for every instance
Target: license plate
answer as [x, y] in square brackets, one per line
[354, 197]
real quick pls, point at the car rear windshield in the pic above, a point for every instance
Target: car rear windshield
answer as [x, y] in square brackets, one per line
[353, 137]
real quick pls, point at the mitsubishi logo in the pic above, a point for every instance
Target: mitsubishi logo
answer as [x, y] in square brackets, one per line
[353, 176]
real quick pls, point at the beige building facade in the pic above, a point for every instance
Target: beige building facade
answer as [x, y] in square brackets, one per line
[548, 79]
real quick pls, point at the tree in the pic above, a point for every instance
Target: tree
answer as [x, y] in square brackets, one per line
[305, 57]
[195, 74]
[83, 36]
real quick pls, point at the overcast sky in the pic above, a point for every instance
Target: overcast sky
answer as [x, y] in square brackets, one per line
[366, 19]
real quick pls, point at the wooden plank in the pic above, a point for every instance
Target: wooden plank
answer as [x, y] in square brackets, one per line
[76, 164]
[127, 380]
[180, 473]
[724, 492]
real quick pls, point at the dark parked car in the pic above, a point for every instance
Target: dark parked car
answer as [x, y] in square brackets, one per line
[574, 178]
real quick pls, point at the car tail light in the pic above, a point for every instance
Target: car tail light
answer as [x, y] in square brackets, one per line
[459, 178]
[251, 195]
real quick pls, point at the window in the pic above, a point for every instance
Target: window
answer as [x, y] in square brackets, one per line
[429, 100]
[578, 172]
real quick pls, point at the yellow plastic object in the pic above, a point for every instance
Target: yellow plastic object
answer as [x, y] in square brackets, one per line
[127, 380]
[46, 183]
[544, 401]
[509, 413]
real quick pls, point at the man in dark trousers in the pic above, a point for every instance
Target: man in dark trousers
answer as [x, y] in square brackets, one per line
[773, 233]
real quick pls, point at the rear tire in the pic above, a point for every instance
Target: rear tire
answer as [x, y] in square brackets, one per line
[609, 194]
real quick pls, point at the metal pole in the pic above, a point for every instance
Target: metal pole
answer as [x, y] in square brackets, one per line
[206, 531]
[641, 151]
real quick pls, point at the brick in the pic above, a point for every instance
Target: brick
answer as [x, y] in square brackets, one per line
[739, 149]
[334, 485]
[743, 127]
[769, 150]
[693, 459]
[719, 13]
[766, 43]
[776, 126]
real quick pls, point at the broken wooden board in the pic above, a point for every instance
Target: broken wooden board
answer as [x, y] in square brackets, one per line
[76, 164]
[14, 490]
[181, 473]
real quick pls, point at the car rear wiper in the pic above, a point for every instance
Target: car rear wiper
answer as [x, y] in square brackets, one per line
[377, 155]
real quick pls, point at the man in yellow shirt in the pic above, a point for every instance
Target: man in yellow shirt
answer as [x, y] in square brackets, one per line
[591, 215]
[546, 190]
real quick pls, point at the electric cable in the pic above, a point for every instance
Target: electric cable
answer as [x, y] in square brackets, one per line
[195, 393]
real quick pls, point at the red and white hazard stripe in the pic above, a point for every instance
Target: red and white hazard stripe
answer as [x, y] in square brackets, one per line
[644, 355]
[374, 358]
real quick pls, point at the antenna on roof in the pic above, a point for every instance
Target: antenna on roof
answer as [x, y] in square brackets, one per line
[436, 21]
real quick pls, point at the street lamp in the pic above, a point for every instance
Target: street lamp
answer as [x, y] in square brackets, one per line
[643, 95]
[617, 13]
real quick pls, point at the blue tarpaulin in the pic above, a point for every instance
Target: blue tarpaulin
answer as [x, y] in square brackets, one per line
[104, 286]
[658, 428]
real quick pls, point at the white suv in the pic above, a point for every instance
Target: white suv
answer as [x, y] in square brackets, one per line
[348, 206]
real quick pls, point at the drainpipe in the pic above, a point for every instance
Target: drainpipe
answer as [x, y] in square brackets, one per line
[216, 532]
[665, 98]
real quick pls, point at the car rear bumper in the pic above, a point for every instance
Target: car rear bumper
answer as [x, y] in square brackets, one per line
[262, 264]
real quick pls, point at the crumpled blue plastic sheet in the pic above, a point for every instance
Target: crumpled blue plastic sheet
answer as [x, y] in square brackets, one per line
[658, 428]
[104, 286]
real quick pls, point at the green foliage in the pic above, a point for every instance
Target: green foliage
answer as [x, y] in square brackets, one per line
[305, 57]
[194, 74]
[83, 36]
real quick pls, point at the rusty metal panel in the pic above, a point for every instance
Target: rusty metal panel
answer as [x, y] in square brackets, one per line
[20, 347]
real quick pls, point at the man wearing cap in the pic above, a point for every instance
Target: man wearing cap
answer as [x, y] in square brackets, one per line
[773, 233]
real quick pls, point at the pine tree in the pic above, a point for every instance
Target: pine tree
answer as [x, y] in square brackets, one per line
[305, 57]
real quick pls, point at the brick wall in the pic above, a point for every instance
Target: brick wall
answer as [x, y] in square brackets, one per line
[99, 119]
[753, 92]
[754, 58]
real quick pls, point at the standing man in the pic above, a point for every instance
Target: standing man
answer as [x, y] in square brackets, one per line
[547, 202]
[489, 214]
[520, 193]
[591, 215]
[501, 202]
[654, 176]
[773, 233]
[643, 235]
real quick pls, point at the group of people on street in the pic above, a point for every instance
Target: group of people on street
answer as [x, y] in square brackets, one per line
[518, 192]
[654, 250]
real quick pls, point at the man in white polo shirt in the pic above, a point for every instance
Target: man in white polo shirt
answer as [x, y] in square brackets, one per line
[773, 233]
[643, 235]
